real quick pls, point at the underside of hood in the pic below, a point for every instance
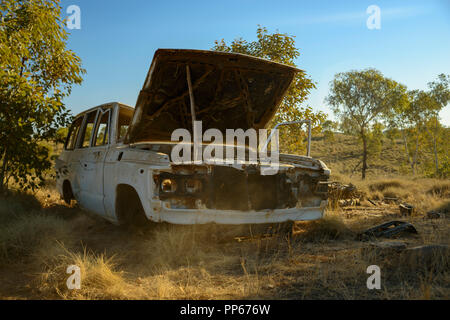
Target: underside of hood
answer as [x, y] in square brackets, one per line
[230, 91]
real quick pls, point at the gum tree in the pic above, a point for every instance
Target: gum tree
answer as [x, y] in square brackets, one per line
[418, 121]
[361, 99]
[439, 91]
[417, 114]
[36, 72]
[280, 47]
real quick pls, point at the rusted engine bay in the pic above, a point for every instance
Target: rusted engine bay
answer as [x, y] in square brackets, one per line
[228, 188]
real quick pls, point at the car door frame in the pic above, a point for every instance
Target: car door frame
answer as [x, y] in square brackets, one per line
[91, 160]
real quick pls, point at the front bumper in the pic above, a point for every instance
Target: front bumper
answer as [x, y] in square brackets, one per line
[202, 216]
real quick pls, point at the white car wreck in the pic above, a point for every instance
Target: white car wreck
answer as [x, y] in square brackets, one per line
[117, 161]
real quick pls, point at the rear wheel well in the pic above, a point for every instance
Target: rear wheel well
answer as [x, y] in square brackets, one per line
[129, 209]
[67, 191]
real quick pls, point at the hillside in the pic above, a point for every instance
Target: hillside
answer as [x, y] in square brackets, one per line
[344, 154]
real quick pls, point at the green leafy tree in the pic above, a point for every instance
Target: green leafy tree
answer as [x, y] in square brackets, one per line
[418, 121]
[417, 114]
[436, 148]
[375, 140]
[393, 133]
[328, 128]
[362, 98]
[36, 72]
[61, 134]
[280, 47]
[439, 91]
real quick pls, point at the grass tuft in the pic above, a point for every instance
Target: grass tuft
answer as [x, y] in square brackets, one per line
[331, 227]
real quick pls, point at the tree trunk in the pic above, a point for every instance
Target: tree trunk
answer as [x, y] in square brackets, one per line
[433, 134]
[415, 154]
[3, 171]
[436, 160]
[405, 141]
[364, 160]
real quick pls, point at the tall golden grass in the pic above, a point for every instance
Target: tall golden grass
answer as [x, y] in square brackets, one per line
[40, 237]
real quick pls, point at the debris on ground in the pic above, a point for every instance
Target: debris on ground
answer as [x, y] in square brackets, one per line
[366, 209]
[390, 200]
[406, 209]
[349, 202]
[437, 214]
[434, 215]
[388, 229]
[344, 194]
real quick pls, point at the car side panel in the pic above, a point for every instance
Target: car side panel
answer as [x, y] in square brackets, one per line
[134, 168]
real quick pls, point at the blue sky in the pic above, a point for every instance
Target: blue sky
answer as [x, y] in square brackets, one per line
[117, 40]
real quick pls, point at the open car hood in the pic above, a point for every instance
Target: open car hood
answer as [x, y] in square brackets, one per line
[230, 91]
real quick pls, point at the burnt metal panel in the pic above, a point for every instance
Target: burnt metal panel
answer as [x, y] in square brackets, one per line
[231, 91]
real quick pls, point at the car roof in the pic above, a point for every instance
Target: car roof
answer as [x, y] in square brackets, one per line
[103, 105]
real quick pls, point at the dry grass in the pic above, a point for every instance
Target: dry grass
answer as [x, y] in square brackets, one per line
[424, 193]
[100, 279]
[40, 237]
[22, 237]
[332, 227]
[344, 154]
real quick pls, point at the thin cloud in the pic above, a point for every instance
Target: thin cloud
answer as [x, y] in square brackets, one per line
[343, 17]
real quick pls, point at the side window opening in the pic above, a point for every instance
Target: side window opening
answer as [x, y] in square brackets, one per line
[88, 129]
[102, 131]
[125, 116]
[73, 133]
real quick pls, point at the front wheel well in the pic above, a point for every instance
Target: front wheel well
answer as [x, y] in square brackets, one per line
[129, 209]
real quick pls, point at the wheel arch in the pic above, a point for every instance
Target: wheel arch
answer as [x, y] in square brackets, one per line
[128, 205]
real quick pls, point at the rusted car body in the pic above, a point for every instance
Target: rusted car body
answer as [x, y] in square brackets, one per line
[117, 159]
